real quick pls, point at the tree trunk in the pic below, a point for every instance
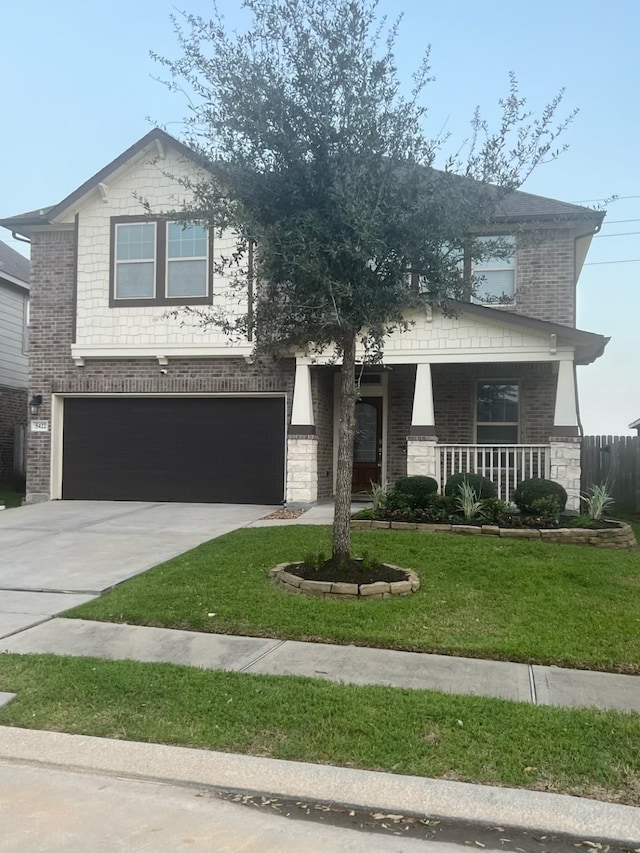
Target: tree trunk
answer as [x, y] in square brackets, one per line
[346, 433]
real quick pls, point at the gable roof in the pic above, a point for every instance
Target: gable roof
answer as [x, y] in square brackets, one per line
[517, 206]
[521, 206]
[588, 345]
[14, 267]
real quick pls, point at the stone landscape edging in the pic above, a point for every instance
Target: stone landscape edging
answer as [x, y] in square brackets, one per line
[609, 537]
[284, 577]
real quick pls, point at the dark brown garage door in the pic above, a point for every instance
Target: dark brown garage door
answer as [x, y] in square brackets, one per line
[214, 450]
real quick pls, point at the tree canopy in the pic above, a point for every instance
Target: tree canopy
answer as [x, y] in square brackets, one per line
[319, 156]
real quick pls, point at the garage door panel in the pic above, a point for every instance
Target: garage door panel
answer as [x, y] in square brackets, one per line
[180, 449]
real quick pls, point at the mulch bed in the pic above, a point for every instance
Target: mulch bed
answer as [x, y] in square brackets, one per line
[284, 514]
[350, 572]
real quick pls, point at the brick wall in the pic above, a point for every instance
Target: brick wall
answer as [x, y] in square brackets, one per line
[545, 275]
[454, 399]
[400, 404]
[322, 384]
[52, 369]
[13, 413]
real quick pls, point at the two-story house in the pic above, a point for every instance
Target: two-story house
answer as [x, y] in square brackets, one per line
[14, 366]
[146, 405]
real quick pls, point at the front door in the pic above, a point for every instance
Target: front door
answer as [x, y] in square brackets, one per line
[367, 446]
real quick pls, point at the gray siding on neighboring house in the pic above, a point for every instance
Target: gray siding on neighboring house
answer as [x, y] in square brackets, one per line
[14, 364]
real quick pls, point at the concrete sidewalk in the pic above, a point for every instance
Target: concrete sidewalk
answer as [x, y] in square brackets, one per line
[542, 685]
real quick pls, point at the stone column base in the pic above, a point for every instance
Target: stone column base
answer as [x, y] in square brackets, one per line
[422, 456]
[565, 467]
[302, 469]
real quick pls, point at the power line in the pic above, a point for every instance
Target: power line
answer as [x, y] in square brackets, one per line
[619, 234]
[619, 221]
[606, 198]
[625, 261]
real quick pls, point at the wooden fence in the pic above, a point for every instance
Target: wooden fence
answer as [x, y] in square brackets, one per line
[615, 460]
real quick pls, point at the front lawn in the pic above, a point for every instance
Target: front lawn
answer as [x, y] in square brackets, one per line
[509, 600]
[11, 499]
[491, 741]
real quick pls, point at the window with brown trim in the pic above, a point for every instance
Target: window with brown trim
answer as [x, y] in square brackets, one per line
[158, 262]
[495, 277]
[497, 412]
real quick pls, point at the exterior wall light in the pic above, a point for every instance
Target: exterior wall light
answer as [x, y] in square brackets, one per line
[34, 405]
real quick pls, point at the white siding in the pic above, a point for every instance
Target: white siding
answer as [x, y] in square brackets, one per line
[97, 323]
[14, 364]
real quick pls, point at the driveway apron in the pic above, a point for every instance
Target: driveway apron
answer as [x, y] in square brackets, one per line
[58, 554]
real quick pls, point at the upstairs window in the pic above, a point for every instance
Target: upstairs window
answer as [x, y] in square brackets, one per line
[496, 277]
[135, 260]
[186, 260]
[155, 262]
[497, 412]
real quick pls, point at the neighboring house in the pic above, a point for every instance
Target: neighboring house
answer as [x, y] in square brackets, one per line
[635, 425]
[14, 363]
[146, 406]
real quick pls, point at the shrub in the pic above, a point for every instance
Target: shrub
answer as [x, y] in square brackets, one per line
[379, 495]
[411, 492]
[597, 499]
[497, 512]
[532, 490]
[482, 486]
[467, 501]
[439, 510]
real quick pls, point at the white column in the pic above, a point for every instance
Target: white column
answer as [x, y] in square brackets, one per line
[565, 440]
[302, 442]
[421, 442]
[566, 412]
[423, 414]
[302, 409]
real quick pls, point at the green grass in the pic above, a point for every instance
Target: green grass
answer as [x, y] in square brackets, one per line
[11, 499]
[523, 601]
[491, 741]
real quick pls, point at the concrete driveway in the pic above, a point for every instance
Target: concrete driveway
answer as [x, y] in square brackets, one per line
[56, 555]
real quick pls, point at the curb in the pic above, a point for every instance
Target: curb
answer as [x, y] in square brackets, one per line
[457, 801]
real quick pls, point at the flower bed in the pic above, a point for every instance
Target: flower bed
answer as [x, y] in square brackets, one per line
[408, 582]
[617, 534]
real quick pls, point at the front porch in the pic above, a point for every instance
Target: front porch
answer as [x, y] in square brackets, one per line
[485, 391]
[424, 419]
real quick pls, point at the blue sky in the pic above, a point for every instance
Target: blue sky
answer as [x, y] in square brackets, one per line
[78, 89]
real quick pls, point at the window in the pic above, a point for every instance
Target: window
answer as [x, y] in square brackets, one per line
[154, 262]
[497, 412]
[495, 277]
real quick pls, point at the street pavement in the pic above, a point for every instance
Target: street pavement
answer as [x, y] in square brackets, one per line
[77, 797]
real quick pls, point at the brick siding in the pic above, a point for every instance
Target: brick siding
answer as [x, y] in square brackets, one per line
[322, 384]
[545, 275]
[399, 407]
[13, 413]
[454, 389]
[52, 369]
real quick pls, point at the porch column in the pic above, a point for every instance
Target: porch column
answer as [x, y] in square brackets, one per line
[302, 441]
[421, 441]
[565, 439]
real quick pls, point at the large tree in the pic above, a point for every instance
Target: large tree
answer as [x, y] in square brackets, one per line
[319, 158]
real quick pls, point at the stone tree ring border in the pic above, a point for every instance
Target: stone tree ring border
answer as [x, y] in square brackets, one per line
[284, 576]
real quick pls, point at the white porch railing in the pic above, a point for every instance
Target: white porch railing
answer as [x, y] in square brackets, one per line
[506, 465]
